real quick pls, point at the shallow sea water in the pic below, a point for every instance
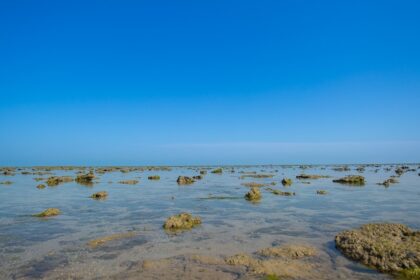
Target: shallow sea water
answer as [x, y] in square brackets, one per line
[56, 247]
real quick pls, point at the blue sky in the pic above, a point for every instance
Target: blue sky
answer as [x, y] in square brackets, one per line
[209, 82]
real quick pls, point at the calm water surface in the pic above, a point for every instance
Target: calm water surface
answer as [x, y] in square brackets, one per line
[55, 248]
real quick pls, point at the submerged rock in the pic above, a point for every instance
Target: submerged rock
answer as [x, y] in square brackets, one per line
[286, 262]
[278, 192]
[289, 251]
[154, 177]
[105, 239]
[286, 182]
[85, 178]
[388, 182]
[321, 192]
[198, 177]
[6, 183]
[257, 176]
[40, 186]
[48, 212]
[184, 180]
[203, 172]
[99, 195]
[129, 182]
[253, 185]
[183, 221]
[56, 180]
[387, 247]
[253, 195]
[309, 176]
[351, 180]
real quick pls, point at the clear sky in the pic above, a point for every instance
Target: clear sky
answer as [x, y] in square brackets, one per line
[209, 82]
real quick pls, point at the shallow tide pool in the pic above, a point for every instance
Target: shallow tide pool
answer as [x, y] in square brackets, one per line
[56, 247]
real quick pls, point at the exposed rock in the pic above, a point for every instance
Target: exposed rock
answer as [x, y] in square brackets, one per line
[40, 186]
[351, 180]
[154, 177]
[184, 180]
[85, 179]
[198, 177]
[48, 212]
[203, 172]
[129, 182]
[321, 192]
[286, 182]
[56, 180]
[99, 195]
[387, 247]
[217, 171]
[253, 195]
[183, 221]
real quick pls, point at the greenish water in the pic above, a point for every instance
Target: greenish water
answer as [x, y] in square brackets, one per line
[55, 248]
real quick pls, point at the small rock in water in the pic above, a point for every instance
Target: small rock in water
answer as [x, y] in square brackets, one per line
[184, 180]
[351, 180]
[253, 195]
[40, 186]
[181, 221]
[129, 182]
[99, 195]
[154, 177]
[48, 212]
[286, 181]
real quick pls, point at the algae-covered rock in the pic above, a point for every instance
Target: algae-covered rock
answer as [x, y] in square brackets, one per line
[6, 183]
[217, 171]
[253, 195]
[278, 192]
[56, 180]
[85, 178]
[184, 180]
[48, 213]
[105, 239]
[40, 186]
[286, 182]
[183, 221]
[387, 247]
[129, 182]
[321, 192]
[351, 180]
[99, 195]
[154, 177]
[409, 274]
